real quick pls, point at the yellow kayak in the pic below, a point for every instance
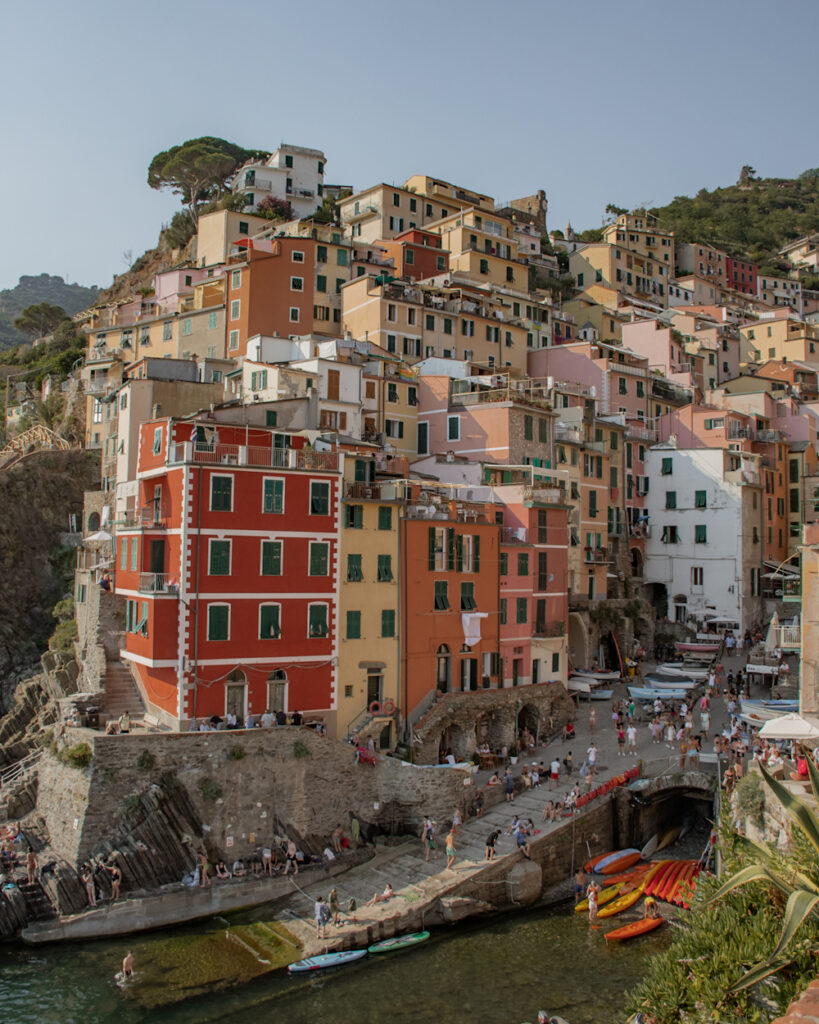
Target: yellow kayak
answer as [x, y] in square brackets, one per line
[623, 903]
[604, 896]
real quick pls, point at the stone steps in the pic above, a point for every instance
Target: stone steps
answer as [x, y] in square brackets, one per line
[121, 693]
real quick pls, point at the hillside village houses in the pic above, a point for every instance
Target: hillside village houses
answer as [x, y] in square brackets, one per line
[355, 469]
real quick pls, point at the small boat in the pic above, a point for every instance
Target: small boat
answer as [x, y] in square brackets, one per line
[601, 694]
[655, 693]
[758, 711]
[622, 903]
[664, 682]
[697, 647]
[670, 881]
[650, 848]
[577, 684]
[604, 896]
[398, 942]
[325, 960]
[599, 864]
[627, 859]
[635, 928]
[596, 675]
[669, 836]
[680, 668]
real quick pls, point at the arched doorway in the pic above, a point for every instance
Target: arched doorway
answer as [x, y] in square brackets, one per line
[529, 720]
[637, 562]
[93, 522]
[277, 691]
[454, 739]
[236, 695]
[443, 677]
[579, 653]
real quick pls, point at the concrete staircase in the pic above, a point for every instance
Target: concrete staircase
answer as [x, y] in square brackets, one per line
[121, 693]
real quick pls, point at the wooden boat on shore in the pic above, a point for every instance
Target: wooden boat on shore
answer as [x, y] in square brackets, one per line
[601, 694]
[696, 647]
[665, 682]
[680, 668]
[655, 693]
[595, 675]
[757, 712]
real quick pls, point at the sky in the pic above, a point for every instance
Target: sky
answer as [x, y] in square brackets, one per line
[595, 102]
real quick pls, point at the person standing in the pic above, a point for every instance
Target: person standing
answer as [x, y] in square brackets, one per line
[592, 898]
[479, 801]
[335, 909]
[88, 880]
[491, 839]
[31, 867]
[579, 885]
[554, 773]
[509, 786]
[428, 839]
[592, 720]
[631, 736]
[621, 741]
[450, 848]
[204, 871]
[457, 821]
[321, 912]
[591, 757]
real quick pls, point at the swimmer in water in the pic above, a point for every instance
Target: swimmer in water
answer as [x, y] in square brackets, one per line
[128, 965]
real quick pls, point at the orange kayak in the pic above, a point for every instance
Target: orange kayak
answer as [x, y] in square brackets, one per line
[670, 880]
[686, 887]
[682, 884]
[621, 863]
[630, 931]
[655, 883]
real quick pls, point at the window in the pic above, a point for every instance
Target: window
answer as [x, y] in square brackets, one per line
[269, 622]
[622, 386]
[700, 500]
[211, 320]
[521, 610]
[700, 535]
[412, 395]
[123, 554]
[273, 496]
[296, 256]
[355, 517]
[670, 499]
[384, 568]
[504, 563]
[296, 284]
[157, 445]
[317, 620]
[468, 597]
[354, 573]
[392, 392]
[697, 575]
[440, 263]
[503, 612]
[384, 517]
[592, 504]
[319, 498]
[580, 280]
[667, 467]
[523, 565]
[221, 493]
[235, 309]
[528, 428]
[447, 325]
[233, 339]
[441, 595]
[484, 266]
[321, 283]
[244, 227]
[218, 621]
[319, 559]
[394, 428]
[423, 438]
[794, 499]
[669, 535]
[270, 418]
[453, 428]
[387, 622]
[187, 325]
[543, 431]
[167, 327]
[271, 558]
[219, 558]
[353, 625]
[409, 256]
[542, 570]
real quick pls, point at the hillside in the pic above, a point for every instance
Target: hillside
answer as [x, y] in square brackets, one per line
[756, 218]
[40, 288]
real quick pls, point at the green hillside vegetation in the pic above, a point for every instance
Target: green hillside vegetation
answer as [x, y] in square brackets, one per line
[31, 290]
[755, 218]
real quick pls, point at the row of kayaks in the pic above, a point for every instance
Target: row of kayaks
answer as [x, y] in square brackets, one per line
[349, 956]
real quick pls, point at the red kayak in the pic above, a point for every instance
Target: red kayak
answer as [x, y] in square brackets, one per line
[630, 931]
[657, 880]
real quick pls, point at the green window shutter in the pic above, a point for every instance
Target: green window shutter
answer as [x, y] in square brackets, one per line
[384, 568]
[450, 549]
[319, 559]
[321, 283]
[528, 431]
[447, 326]
[670, 499]
[321, 254]
[459, 553]
[504, 563]
[503, 611]
[269, 625]
[476, 554]
[270, 418]
[384, 517]
[319, 499]
[700, 535]
[341, 257]
[543, 430]
[523, 565]
[431, 549]
[667, 467]
[354, 573]
[360, 474]
[353, 625]
[441, 595]
[468, 597]
[123, 554]
[387, 622]
[318, 620]
[271, 558]
[221, 493]
[218, 622]
[700, 499]
[134, 554]
[219, 558]
[274, 496]
[522, 610]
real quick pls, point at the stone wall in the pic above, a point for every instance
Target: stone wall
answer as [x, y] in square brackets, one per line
[463, 721]
[245, 788]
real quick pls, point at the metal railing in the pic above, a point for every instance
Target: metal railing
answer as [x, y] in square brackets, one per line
[251, 455]
[549, 629]
[158, 583]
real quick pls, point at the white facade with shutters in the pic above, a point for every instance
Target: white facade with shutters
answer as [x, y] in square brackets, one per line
[291, 172]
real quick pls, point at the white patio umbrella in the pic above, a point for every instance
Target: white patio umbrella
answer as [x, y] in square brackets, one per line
[790, 727]
[772, 639]
[99, 537]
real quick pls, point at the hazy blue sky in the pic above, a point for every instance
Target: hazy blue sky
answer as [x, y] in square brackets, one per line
[596, 102]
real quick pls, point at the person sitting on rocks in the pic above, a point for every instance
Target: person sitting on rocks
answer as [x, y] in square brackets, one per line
[221, 870]
[238, 869]
[568, 731]
[381, 897]
[493, 780]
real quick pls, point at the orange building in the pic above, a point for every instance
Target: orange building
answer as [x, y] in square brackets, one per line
[417, 254]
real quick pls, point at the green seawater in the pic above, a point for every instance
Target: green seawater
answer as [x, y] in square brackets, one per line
[497, 972]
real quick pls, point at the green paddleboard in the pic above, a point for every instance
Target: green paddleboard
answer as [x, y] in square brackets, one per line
[398, 942]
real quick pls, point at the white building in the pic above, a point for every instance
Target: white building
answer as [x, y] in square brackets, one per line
[291, 172]
[705, 508]
[779, 291]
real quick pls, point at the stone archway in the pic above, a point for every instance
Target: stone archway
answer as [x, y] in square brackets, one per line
[529, 718]
[579, 648]
[458, 740]
[637, 563]
[93, 522]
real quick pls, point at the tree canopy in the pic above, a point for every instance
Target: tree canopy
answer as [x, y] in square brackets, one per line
[198, 170]
[40, 319]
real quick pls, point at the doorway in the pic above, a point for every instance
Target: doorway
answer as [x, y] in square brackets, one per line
[236, 695]
[375, 686]
[469, 674]
[277, 691]
[157, 556]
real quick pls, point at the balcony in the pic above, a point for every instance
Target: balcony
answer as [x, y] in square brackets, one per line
[641, 433]
[771, 436]
[597, 556]
[158, 583]
[372, 491]
[544, 495]
[514, 535]
[101, 355]
[564, 433]
[790, 637]
[251, 456]
[442, 512]
[152, 516]
[549, 629]
[98, 386]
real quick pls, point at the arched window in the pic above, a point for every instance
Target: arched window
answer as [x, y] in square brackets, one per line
[93, 522]
[444, 674]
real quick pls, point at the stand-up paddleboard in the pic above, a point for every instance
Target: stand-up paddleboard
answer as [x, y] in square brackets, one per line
[635, 928]
[319, 963]
[604, 896]
[650, 848]
[398, 942]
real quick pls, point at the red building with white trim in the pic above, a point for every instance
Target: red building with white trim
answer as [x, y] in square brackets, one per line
[229, 566]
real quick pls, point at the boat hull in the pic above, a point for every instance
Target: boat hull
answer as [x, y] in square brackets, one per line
[398, 942]
[326, 960]
[635, 928]
[686, 648]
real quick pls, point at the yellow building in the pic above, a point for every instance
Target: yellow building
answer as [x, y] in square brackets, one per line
[384, 211]
[784, 337]
[368, 602]
[484, 249]
[390, 407]
[606, 321]
[640, 234]
[446, 192]
[219, 231]
[615, 267]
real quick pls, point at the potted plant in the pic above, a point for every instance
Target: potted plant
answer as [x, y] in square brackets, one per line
[513, 754]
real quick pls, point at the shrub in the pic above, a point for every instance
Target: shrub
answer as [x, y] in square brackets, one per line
[146, 761]
[78, 756]
[275, 209]
[236, 753]
[64, 635]
[130, 803]
[750, 799]
[300, 749]
[210, 790]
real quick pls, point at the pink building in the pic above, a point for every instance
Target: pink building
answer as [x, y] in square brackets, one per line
[665, 351]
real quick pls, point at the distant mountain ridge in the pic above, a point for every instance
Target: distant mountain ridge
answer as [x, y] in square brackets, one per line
[32, 289]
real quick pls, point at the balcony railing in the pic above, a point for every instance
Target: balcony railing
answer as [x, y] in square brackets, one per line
[153, 515]
[598, 555]
[513, 535]
[251, 455]
[549, 629]
[790, 637]
[158, 583]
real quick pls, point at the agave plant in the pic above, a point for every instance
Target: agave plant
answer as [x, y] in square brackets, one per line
[801, 891]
